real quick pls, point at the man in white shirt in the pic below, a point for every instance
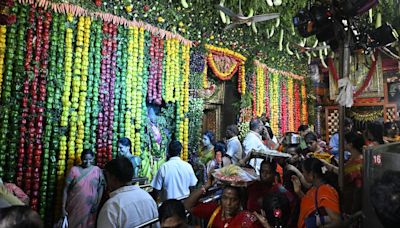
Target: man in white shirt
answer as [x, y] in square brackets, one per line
[129, 205]
[174, 177]
[253, 141]
[234, 147]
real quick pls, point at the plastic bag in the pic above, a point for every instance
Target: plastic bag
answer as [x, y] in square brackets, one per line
[62, 223]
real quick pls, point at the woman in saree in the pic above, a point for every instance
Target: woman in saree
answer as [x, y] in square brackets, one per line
[227, 213]
[82, 192]
[315, 149]
[352, 190]
[321, 196]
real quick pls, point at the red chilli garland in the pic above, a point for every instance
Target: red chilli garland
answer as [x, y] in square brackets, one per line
[371, 72]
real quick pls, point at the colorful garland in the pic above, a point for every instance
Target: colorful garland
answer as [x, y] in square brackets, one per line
[3, 31]
[290, 101]
[227, 56]
[297, 103]
[304, 112]
[259, 92]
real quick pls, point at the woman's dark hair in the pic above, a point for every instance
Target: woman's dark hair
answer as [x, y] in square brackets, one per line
[388, 128]
[125, 142]
[171, 208]
[311, 136]
[277, 209]
[302, 128]
[19, 217]
[221, 147]
[241, 193]
[318, 169]
[85, 152]
[356, 139]
[376, 130]
[385, 198]
[210, 135]
[120, 168]
[271, 163]
[174, 148]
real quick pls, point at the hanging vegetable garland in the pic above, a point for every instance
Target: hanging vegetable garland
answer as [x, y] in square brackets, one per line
[290, 105]
[283, 106]
[297, 103]
[154, 92]
[83, 87]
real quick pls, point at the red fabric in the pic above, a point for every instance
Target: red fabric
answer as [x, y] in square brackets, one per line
[16, 191]
[256, 193]
[242, 219]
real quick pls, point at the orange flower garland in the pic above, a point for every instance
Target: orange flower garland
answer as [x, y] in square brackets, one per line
[304, 117]
[238, 61]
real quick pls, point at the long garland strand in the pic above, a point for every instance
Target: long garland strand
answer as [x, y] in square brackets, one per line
[284, 112]
[112, 153]
[304, 117]
[23, 151]
[96, 83]
[185, 95]
[129, 82]
[17, 93]
[57, 105]
[40, 113]
[3, 35]
[83, 89]
[290, 106]
[297, 103]
[6, 99]
[267, 103]
[123, 86]
[90, 83]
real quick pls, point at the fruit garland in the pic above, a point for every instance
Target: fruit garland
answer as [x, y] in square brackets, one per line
[267, 105]
[76, 84]
[145, 80]
[66, 104]
[96, 82]
[141, 95]
[118, 88]
[57, 58]
[89, 91]
[83, 88]
[123, 79]
[23, 151]
[260, 93]
[237, 61]
[112, 153]
[17, 93]
[170, 71]
[3, 31]
[40, 113]
[290, 101]
[274, 102]
[297, 103]
[154, 92]
[6, 101]
[33, 110]
[132, 42]
[304, 112]
[185, 95]
[179, 102]
[284, 106]
[254, 108]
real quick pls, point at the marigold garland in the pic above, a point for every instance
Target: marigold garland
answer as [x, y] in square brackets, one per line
[238, 61]
[297, 103]
[304, 112]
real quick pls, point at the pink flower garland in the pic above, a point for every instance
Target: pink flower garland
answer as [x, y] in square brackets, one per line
[284, 111]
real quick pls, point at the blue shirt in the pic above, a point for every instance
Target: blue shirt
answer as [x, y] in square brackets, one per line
[334, 144]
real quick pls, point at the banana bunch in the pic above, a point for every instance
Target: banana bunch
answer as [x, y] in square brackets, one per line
[230, 170]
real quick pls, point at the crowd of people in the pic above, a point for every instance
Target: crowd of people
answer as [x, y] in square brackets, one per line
[299, 191]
